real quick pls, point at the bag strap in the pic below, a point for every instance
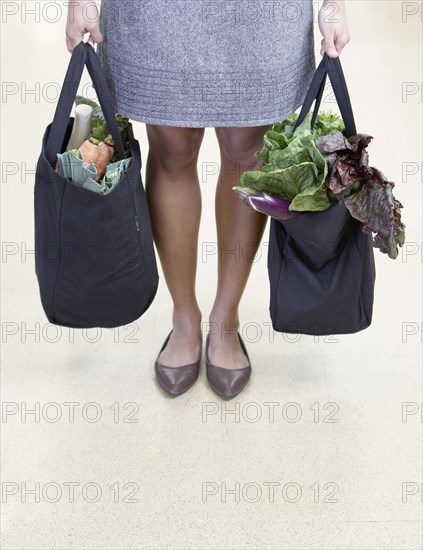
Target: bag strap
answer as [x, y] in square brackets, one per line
[318, 99]
[83, 54]
[105, 98]
[316, 86]
[339, 85]
[329, 66]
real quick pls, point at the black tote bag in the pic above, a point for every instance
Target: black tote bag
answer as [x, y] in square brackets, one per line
[94, 255]
[320, 264]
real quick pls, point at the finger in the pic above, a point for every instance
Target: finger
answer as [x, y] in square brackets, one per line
[339, 49]
[97, 36]
[330, 47]
[71, 43]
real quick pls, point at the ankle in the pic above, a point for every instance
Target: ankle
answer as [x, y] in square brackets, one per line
[228, 317]
[189, 319]
[224, 329]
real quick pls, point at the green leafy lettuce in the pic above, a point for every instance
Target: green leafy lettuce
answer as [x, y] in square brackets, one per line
[294, 169]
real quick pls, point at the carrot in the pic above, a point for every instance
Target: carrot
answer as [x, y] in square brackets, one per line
[104, 157]
[98, 153]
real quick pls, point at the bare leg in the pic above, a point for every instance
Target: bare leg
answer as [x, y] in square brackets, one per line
[239, 229]
[174, 198]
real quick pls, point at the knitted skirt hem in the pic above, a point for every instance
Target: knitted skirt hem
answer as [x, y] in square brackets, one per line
[211, 123]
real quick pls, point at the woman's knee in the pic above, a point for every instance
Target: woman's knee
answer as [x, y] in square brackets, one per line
[239, 145]
[174, 147]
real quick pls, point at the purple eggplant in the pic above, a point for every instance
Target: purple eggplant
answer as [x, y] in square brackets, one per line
[274, 207]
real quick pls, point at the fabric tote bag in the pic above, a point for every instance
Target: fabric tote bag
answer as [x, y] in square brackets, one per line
[320, 264]
[94, 254]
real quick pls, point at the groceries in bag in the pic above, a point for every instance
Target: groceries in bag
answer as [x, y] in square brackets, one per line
[90, 160]
[311, 168]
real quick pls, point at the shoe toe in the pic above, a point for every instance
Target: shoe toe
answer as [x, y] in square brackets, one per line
[176, 380]
[227, 382]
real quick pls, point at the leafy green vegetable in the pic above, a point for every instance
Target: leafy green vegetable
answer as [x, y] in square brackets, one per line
[281, 133]
[294, 168]
[99, 129]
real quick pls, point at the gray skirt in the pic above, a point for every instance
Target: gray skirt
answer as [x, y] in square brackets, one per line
[200, 63]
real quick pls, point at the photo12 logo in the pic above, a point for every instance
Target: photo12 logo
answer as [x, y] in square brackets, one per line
[69, 491]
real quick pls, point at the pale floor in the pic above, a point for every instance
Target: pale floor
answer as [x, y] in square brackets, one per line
[187, 473]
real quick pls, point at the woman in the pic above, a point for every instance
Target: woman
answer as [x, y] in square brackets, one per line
[180, 66]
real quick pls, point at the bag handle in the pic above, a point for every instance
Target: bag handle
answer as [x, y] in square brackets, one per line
[329, 66]
[83, 54]
[318, 99]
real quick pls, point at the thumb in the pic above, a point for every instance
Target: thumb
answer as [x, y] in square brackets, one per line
[330, 47]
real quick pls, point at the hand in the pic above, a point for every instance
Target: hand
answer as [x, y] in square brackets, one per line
[334, 27]
[83, 17]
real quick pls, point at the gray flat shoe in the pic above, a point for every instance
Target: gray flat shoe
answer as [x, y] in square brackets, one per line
[177, 380]
[227, 382]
